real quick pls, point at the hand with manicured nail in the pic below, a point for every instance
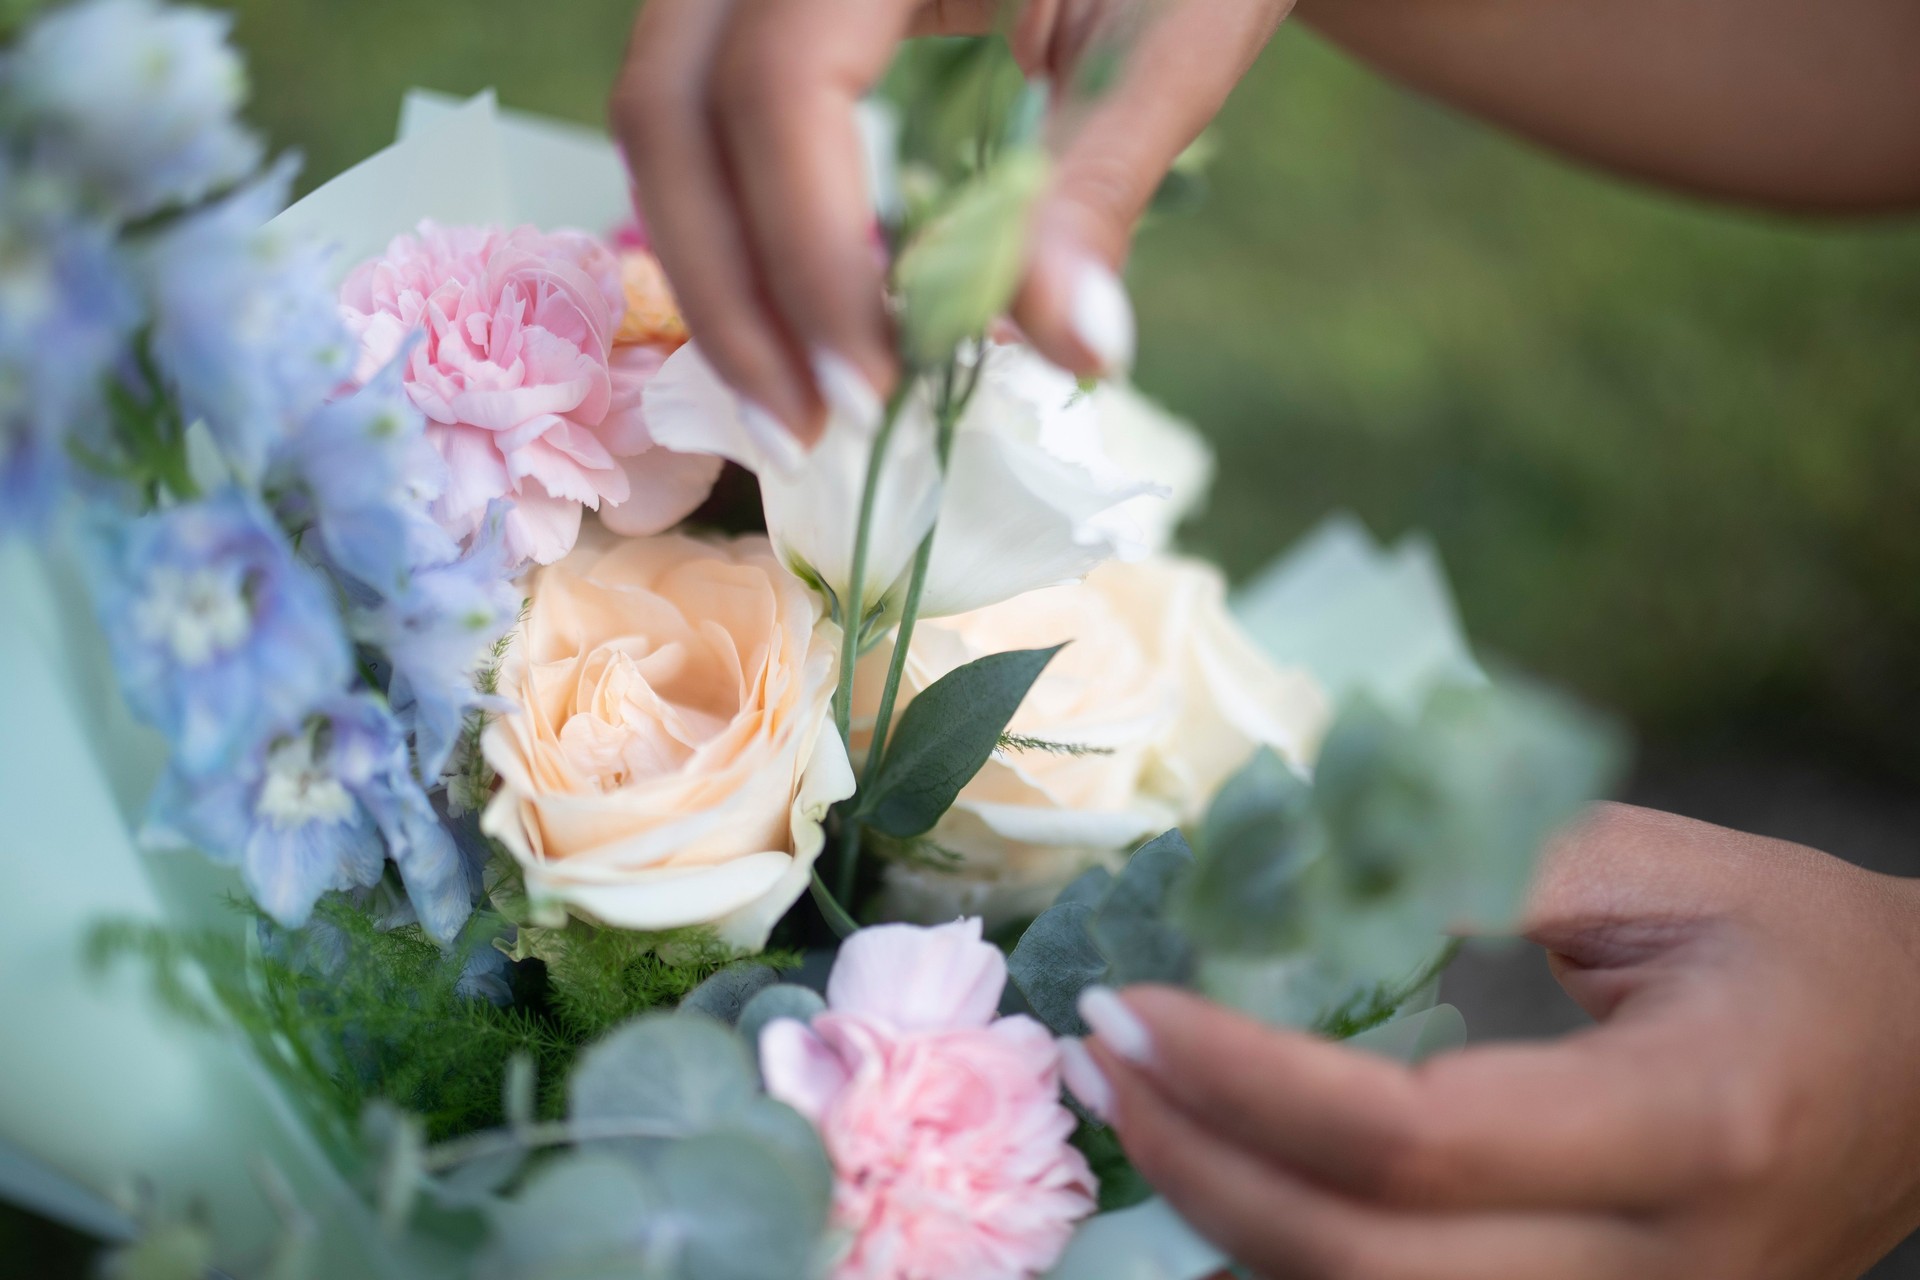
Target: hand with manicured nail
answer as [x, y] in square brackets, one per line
[738, 117]
[1748, 1107]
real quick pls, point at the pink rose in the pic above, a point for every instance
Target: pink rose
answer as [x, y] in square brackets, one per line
[526, 392]
[944, 1123]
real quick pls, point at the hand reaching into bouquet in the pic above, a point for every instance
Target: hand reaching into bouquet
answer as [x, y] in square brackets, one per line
[738, 119]
[1749, 1105]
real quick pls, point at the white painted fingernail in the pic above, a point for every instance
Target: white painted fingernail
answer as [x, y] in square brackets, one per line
[1101, 316]
[1118, 1027]
[1085, 1079]
[845, 389]
[777, 446]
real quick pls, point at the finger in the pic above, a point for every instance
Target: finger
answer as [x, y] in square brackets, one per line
[1627, 1116]
[960, 17]
[1175, 71]
[660, 114]
[1285, 1227]
[787, 80]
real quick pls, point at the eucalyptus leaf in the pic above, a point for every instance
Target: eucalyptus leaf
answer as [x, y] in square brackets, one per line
[959, 273]
[1440, 823]
[397, 1144]
[783, 1000]
[664, 1074]
[582, 1216]
[946, 733]
[737, 1208]
[1131, 926]
[1416, 1037]
[1054, 961]
[1090, 886]
[778, 1125]
[170, 1251]
[518, 1100]
[727, 992]
[1260, 833]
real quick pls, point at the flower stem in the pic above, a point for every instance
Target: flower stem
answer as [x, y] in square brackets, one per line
[838, 919]
[853, 608]
[947, 413]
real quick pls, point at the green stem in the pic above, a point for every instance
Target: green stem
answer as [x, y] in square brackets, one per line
[947, 415]
[853, 608]
[842, 923]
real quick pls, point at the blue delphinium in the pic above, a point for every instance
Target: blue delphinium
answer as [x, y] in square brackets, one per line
[66, 310]
[135, 100]
[356, 480]
[437, 635]
[319, 809]
[246, 331]
[221, 637]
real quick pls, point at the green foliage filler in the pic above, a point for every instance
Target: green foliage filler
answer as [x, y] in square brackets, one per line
[348, 1013]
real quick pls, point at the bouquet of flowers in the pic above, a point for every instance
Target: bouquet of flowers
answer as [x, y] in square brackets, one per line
[584, 833]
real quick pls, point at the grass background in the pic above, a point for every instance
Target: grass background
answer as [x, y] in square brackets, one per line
[1671, 454]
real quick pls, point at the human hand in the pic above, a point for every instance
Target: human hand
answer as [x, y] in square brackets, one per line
[1749, 1105]
[738, 119]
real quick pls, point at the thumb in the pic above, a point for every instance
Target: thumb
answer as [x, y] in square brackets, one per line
[1179, 63]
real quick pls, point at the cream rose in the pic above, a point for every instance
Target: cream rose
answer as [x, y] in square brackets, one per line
[670, 754]
[1160, 689]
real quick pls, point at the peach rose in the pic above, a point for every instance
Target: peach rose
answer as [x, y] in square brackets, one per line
[1158, 690]
[670, 754]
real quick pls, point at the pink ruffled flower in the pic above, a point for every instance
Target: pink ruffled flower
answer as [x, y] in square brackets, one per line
[526, 393]
[944, 1123]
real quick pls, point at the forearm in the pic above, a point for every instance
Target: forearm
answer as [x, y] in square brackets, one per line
[1795, 104]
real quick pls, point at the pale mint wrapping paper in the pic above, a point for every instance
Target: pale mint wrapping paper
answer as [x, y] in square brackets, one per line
[108, 1101]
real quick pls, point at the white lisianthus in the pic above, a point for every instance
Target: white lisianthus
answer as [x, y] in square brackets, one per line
[1156, 700]
[141, 99]
[1033, 496]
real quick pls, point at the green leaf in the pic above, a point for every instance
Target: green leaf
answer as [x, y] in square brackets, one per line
[582, 1216]
[1054, 961]
[170, 1251]
[665, 1074]
[741, 1209]
[1448, 816]
[397, 1145]
[959, 273]
[1131, 927]
[727, 992]
[1121, 1186]
[946, 733]
[1090, 887]
[1259, 835]
[1416, 1037]
[1105, 929]
[784, 1000]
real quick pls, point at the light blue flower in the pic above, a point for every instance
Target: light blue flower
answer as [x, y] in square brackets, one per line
[136, 99]
[222, 639]
[438, 634]
[246, 329]
[319, 810]
[360, 476]
[66, 310]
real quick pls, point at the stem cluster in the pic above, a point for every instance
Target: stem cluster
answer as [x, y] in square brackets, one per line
[957, 380]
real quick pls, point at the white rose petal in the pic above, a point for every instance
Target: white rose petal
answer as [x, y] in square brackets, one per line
[1031, 498]
[1158, 687]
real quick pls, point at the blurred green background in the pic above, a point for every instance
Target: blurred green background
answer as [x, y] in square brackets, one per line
[1671, 454]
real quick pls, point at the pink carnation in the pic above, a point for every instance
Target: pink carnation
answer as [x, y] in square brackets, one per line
[944, 1123]
[526, 395]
